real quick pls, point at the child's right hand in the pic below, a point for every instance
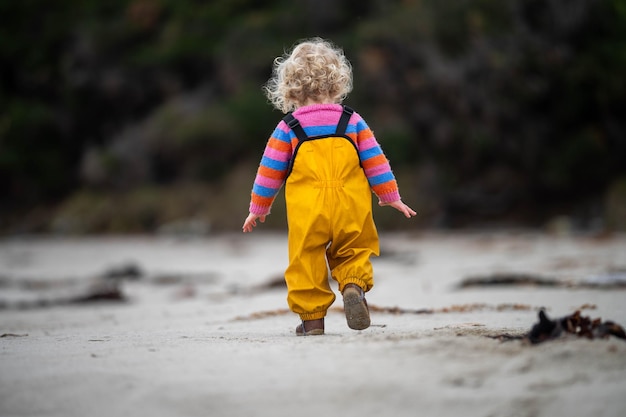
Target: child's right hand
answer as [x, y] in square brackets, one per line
[401, 207]
[250, 222]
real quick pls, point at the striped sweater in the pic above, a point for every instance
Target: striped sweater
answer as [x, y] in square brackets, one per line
[320, 119]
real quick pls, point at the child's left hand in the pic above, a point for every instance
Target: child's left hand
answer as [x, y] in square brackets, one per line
[401, 207]
[251, 222]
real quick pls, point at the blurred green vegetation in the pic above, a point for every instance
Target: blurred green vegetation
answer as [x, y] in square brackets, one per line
[491, 111]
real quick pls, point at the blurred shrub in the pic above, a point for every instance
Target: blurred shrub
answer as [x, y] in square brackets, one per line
[109, 96]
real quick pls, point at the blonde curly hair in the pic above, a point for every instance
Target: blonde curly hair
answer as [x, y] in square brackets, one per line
[314, 70]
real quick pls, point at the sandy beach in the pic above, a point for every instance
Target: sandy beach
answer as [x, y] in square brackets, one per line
[199, 327]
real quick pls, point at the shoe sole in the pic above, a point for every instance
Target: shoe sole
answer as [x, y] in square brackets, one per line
[357, 313]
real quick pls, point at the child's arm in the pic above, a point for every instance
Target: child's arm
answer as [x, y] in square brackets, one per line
[375, 164]
[270, 176]
[378, 170]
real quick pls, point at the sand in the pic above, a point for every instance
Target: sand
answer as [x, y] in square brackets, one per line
[204, 330]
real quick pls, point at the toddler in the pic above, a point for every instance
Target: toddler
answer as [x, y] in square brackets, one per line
[330, 162]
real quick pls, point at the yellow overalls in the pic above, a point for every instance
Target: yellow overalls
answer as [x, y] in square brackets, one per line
[329, 214]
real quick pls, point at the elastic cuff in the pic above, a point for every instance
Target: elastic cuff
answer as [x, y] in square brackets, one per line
[389, 197]
[259, 210]
[313, 316]
[356, 281]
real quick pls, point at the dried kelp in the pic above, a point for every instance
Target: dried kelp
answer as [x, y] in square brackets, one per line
[510, 279]
[456, 308]
[574, 324]
[263, 314]
[31, 294]
[609, 280]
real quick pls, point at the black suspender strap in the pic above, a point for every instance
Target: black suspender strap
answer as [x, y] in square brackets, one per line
[294, 124]
[343, 121]
[296, 127]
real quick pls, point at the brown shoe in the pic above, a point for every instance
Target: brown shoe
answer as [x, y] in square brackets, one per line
[310, 328]
[355, 307]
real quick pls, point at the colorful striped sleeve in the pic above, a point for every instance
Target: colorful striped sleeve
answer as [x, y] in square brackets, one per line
[272, 170]
[375, 164]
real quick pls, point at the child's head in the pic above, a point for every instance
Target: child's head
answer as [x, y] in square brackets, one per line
[315, 71]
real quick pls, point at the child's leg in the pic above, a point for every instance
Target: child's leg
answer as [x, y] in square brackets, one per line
[349, 261]
[351, 266]
[308, 292]
[350, 252]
